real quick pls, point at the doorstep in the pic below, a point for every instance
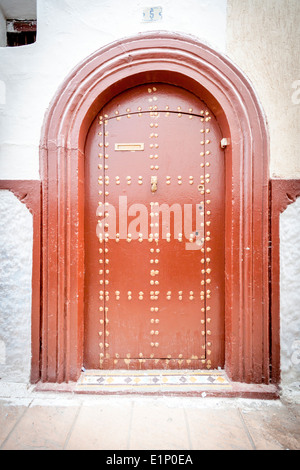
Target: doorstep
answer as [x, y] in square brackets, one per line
[214, 383]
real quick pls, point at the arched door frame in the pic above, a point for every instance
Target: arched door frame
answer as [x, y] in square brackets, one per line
[182, 61]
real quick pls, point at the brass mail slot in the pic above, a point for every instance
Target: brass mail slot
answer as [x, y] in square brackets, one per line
[130, 147]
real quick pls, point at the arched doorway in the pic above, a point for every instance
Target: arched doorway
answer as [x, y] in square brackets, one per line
[185, 63]
[154, 233]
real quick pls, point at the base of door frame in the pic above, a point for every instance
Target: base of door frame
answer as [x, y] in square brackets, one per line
[234, 390]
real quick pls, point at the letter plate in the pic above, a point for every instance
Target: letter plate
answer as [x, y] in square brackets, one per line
[129, 147]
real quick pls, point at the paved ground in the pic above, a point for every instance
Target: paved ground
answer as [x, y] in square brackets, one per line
[31, 420]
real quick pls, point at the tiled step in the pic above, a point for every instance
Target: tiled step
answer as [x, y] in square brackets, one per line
[95, 381]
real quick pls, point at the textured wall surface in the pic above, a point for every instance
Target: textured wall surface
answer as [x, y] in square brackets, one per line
[290, 295]
[69, 31]
[15, 289]
[2, 29]
[263, 39]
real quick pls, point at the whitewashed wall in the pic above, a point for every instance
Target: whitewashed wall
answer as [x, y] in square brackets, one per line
[262, 38]
[68, 31]
[2, 29]
[290, 296]
[15, 289]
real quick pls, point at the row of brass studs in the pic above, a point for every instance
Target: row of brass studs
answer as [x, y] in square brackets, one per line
[103, 313]
[155, 111]
[180, 362]
[152, 236]
[153, 146]
[104, 260]
[154, 252]
[204, 180]
[154, 295]
[151, 356]
[179, 180]
[105, 281]
[142, 360]
[105, 180]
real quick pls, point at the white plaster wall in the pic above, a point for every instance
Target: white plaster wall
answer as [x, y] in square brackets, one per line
[15, 289]
[68, 31]
[19, 9]
[2, 96]
[263, 39]
[290, 296]
[2, 29]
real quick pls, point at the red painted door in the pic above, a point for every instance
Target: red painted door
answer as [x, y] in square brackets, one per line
[154, 233]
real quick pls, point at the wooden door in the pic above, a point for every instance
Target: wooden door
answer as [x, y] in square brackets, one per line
[154, 233]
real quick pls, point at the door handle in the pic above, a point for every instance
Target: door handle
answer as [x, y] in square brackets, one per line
[153, 184]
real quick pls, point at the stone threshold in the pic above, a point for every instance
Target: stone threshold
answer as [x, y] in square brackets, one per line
[187, 383]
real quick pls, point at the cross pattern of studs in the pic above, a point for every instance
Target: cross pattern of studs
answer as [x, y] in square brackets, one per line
[205, 179]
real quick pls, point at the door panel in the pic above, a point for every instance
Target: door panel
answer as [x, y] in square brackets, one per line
[154, 229]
